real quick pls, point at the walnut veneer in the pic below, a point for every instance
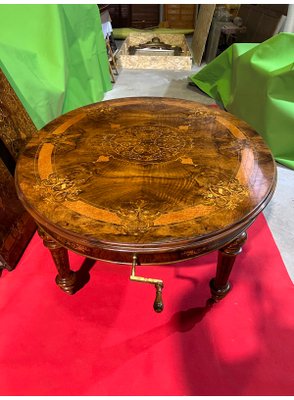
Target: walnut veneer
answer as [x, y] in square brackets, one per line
[160, 179]
[16, 128]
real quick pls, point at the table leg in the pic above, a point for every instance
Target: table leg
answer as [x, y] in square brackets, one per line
[66, 278]
[220, 285]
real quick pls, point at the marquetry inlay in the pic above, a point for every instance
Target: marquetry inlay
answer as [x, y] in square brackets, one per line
[147, 169]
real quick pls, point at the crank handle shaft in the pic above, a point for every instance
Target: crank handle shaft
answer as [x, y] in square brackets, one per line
[158, 283]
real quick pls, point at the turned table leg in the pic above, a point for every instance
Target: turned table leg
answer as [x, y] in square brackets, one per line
[66, 278]
[220, 286]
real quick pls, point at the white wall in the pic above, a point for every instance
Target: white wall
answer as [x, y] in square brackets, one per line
[289, 24]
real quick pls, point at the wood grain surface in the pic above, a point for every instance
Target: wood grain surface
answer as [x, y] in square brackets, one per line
[16, 128]
[145, 174]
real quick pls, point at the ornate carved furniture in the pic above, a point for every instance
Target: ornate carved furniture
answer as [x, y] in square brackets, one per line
[147, 50]
[16, 128]
[145, 181]
[155, 47]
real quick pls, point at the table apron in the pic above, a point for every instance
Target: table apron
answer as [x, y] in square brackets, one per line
[151, 255]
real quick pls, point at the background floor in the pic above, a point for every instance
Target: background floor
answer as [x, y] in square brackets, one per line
[107, 340]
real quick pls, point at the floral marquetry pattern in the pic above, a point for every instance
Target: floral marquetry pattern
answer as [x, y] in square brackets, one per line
[57, 189]
[201, 116]
[226, 195]
[137, 218]
[136, 170]
[146, 144]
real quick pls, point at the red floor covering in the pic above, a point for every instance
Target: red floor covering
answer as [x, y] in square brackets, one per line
[107, 340]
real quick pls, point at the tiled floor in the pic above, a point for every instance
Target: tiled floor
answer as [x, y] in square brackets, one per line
[280, 212]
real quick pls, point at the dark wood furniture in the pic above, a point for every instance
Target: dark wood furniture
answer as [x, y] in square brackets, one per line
[261, 21]
[221, 36]
[180, 16]
[16, 128]
[139, 16]
[146, 181]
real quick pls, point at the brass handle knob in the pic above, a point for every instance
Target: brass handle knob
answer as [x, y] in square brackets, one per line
[158, 283]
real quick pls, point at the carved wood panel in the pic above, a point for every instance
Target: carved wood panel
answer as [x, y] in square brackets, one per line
[16, 227]
[16, 128]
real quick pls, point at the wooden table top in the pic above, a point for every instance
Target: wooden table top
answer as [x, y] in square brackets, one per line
[142, 172]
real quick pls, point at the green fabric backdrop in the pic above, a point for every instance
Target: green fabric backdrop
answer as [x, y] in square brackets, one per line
[54, 57]
[256, 83]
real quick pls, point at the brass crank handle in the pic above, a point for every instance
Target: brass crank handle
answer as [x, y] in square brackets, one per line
[158, 283]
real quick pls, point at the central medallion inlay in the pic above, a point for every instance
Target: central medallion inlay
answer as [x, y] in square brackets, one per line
[146, 144]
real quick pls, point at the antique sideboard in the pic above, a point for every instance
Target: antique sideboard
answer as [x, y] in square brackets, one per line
[16, 128]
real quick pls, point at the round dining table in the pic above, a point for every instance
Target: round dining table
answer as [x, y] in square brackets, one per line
[145, 180]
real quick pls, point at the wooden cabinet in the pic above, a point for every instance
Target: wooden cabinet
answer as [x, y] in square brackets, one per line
[138, 16]
[141, 16]
[16, 226]
[16, 128]
[260, 20]
[145, 15]
[180, 16]
[120, 15]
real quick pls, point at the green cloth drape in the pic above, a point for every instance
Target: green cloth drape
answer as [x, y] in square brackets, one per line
[54, 56]
[255, 82]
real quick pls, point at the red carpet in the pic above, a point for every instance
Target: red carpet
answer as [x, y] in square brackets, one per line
[107, 340]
